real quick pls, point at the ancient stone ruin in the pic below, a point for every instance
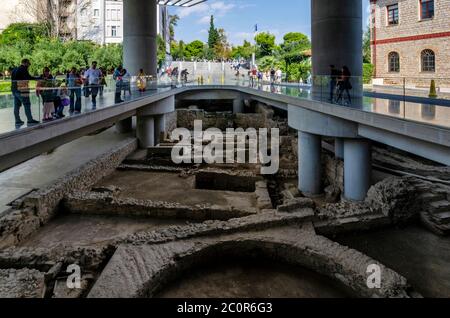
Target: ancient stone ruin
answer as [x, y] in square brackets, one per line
[135, 224]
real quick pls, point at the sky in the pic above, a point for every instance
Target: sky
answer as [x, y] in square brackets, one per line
[238, 18]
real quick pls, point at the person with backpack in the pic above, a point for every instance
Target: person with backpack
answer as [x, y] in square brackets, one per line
[21, 92]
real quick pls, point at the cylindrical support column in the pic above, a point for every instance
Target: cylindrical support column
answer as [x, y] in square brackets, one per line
[357, 168]
[160, 128]
[336, 40]
[124, 126]
[145, 131]
[238, 106]
[310, 163]
[339, 148]
[140, 36]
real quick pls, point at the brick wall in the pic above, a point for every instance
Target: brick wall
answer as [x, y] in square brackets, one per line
[410, 37]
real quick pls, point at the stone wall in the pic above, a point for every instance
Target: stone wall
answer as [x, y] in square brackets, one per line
[36, 209]
[187, 117]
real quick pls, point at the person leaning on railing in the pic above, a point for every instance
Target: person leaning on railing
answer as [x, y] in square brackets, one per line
[75, 81]
[45, 89]
[20, 78]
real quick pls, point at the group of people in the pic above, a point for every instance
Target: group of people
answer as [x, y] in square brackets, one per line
[175, 73]
[58, 94]
[339, 84]
[272, 76]
[55, 94]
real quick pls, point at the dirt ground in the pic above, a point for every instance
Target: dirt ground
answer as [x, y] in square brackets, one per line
[252, 279]
[90, 231]
[170, 187]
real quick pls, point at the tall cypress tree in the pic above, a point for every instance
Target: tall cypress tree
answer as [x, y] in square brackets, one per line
[213, 37]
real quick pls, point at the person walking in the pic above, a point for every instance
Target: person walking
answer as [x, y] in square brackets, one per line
[93, 77]
[75, 82]
[117, 76]
[21, 92]
[334, 76]
[345, 85]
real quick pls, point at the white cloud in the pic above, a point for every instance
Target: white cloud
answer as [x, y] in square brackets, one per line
[219, 8]
[205, 20]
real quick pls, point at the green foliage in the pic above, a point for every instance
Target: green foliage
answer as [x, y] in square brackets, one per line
[173, 22]
[268, 62]
[25, 40]
[213, 37]
[244, 51]
[367, 73]
[107, 56]
[265, 43]
[367, 49]
[177, 50]
[195, 50]
[161, 53]
[292, 52]
[28, 32]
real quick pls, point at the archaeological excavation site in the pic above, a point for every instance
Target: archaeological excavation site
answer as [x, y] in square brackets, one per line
[131, 223]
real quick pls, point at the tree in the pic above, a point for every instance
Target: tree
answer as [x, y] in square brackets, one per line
[367, 49]
[293, 52]
[222, 48]
[108, 56]
[52, 13]
[265, 43]
[213, 38]
[161, 46]
[194, 50]
[177, 50]
[244, 51]
[173, 22]
[27, 32]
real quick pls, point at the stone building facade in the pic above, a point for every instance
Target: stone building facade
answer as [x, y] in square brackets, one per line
[410, 41]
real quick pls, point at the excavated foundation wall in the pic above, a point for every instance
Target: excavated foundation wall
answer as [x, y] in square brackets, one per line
[187, 117]
[34, 210]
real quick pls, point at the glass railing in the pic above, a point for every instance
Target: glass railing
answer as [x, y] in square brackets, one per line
[30, 103]
[39, 102]
[423, 100]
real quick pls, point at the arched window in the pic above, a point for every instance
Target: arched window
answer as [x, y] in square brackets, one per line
[394, 62]
[428, 61]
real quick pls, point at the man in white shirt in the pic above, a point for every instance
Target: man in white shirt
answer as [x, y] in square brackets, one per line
[93, 77]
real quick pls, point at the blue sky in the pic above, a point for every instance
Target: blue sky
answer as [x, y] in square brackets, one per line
[238, 18]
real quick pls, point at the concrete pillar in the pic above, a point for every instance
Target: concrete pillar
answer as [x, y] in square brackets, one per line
[336, 40]
[145, 131]
[140, 36]
[238, 106]
[339, 148]
[160, 127]
[310, 163]
[124, 126]
[357, 168]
